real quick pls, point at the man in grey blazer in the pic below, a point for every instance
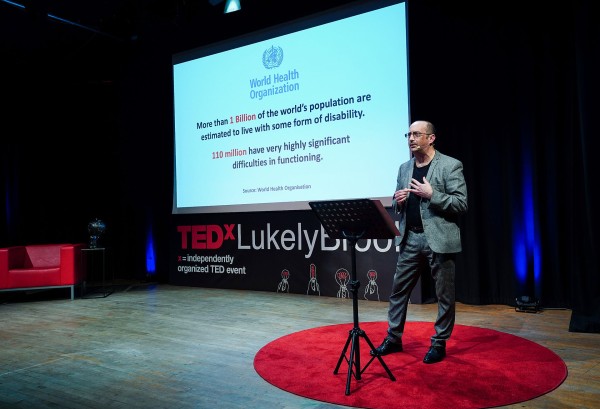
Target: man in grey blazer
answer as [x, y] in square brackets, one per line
[430, 195]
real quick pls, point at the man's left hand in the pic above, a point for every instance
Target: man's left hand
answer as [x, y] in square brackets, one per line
[421, 189]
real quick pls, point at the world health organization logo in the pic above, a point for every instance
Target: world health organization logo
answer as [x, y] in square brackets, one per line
[272, 57]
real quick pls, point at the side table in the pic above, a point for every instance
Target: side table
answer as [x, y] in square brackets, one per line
[93, 257]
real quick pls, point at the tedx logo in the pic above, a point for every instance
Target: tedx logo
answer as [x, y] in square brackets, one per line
[205, 236]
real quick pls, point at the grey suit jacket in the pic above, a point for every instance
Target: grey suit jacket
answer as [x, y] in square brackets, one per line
[440, 213]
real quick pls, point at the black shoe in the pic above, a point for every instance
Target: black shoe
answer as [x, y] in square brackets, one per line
[435, 354]
[387, 347]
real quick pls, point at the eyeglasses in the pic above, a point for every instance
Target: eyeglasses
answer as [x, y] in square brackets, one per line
[416, 134]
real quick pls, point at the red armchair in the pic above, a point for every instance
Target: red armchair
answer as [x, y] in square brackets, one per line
[41, 266]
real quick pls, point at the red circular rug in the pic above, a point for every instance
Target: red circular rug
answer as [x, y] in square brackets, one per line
[484, 368]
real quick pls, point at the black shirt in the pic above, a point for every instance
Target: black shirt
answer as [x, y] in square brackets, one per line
[413, 215]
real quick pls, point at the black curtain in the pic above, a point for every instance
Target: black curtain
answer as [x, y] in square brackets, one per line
[511, 88]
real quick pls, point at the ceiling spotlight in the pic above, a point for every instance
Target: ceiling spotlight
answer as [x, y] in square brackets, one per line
[232, 5]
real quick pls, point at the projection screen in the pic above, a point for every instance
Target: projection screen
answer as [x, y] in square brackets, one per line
[311, 110]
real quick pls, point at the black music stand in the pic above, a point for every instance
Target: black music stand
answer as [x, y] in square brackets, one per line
[354, 220]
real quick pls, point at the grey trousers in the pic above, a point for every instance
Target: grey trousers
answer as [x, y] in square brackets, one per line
[415, 255]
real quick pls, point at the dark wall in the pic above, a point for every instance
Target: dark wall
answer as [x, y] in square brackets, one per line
[88, 132]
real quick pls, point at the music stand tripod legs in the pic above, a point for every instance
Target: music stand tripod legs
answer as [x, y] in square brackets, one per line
[356, 332]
